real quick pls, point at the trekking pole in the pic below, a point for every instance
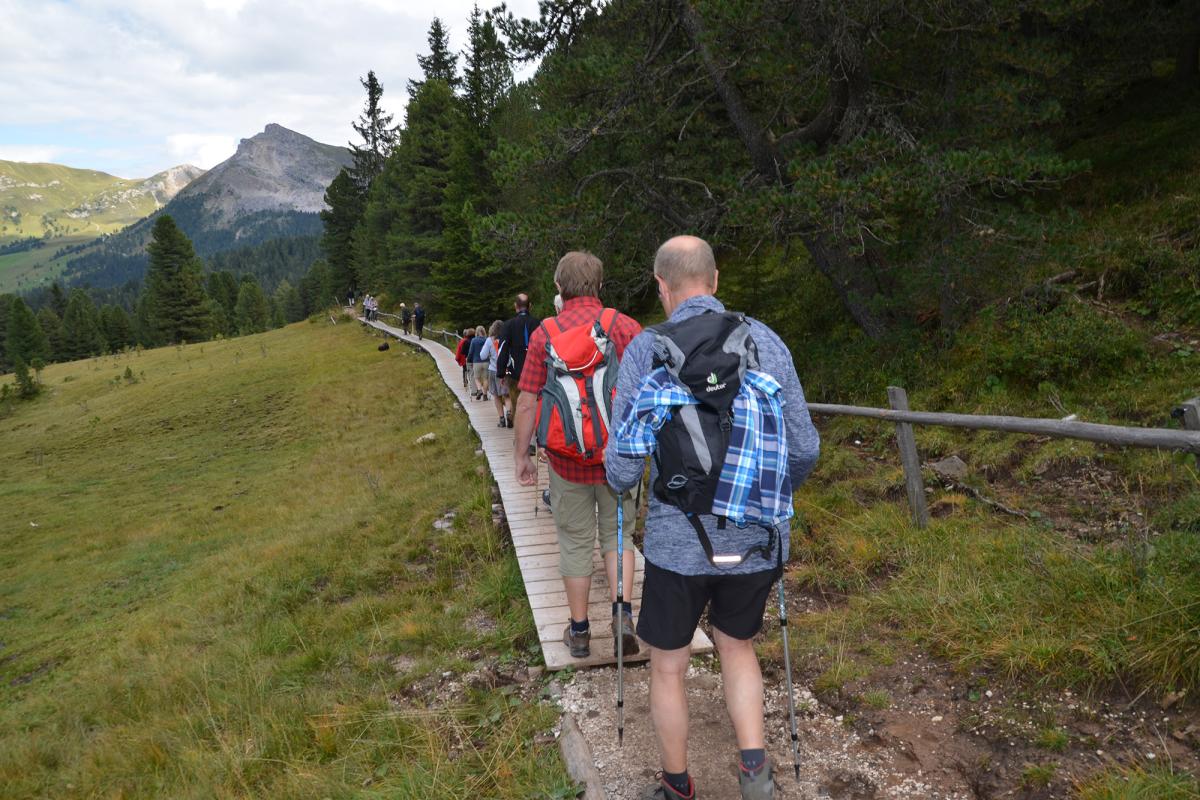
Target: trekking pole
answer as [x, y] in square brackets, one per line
[621, 624]
[787, 666]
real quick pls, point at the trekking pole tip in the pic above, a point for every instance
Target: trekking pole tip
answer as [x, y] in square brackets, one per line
[797, 766]
[621, 742]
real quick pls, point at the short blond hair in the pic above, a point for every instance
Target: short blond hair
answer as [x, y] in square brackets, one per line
[685, 261]
[579, 274]
[479, 331]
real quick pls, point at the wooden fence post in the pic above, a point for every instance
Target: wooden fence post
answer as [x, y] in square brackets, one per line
[913, 482]
[1190, 411]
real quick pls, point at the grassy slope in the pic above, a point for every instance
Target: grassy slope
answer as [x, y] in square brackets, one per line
[74, 187]
[28, 269]
[233, 582]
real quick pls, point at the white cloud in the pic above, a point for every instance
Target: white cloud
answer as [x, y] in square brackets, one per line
[139, 74]
[204, 150]
[30, 152]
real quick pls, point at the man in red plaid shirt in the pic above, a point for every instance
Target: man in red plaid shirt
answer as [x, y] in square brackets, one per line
[582, 503]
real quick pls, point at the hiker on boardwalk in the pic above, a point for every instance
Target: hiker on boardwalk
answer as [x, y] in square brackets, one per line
[478, 366]
[581, 501]
[657, 410]
[460, 355]
[418, 318]
[405, 318]
[491, 352]
[514, 344]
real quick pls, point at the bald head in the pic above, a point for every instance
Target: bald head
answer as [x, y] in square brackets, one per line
[522, 302]
[686, 263]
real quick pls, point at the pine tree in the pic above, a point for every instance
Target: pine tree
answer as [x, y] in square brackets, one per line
[52, 327]
[175, 302]
[378, 136]
[26, 340]
[416, 250]
[81, 335]
[471, 283]
[253, 313]
[345, 202]
[116, 327]
[6, 304]
[286, 300]
[315, 290]
[58, 300]
[441, 64]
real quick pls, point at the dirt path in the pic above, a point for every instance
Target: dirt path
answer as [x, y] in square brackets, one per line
[835, 761]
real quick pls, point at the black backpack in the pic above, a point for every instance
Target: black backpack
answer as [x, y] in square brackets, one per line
[709, 355]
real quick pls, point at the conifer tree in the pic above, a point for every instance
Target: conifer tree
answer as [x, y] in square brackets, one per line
[253, 313]
[6, 304]
[345, 202]
[81, 335]
[222, 287]
[58, 300]
[176, 306]
[52, 326]
[26, 340]
[441, 64]
[116, 327]
[286, 300]
[378, 136]
[315, 290]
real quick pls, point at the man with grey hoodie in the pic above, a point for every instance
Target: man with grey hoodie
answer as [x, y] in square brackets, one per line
[681, 579]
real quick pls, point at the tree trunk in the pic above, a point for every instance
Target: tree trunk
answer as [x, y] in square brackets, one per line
[855, 286]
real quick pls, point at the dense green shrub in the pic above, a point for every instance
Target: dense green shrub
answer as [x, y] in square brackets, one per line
[1066, 344]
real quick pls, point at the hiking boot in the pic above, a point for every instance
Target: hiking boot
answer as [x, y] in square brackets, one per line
[623, 622]
[502, 423]
[509, 419]
[580, 644]
[757, 785]
[661, 790]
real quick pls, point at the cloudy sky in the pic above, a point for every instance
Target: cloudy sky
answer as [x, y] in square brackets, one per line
[132, 87]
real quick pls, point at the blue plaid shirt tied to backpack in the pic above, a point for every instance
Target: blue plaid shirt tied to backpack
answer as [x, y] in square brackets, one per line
[755, 487]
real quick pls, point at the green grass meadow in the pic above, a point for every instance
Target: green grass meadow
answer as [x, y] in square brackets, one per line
[20, 272]
[219, 578]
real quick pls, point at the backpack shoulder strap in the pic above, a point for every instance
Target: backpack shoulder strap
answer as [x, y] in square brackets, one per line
[607, 318]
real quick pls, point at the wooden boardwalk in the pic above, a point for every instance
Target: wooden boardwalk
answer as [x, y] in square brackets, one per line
[533, 535]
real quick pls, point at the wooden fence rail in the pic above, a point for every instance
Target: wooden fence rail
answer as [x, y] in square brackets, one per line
[1186, 440]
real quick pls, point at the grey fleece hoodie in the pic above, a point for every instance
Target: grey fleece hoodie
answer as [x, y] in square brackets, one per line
[671, 541]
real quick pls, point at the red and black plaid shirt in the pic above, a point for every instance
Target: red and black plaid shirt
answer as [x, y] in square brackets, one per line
[576, 311]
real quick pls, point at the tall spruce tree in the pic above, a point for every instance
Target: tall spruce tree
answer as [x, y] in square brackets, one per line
[441, 64]
[6, 304]
[52, 326]
[175, 306]
[378, 136]
[472, 283]
[253, 313]
[315, 289]
[346, 202]
[81, 335]
[116, 327]
[25, 340]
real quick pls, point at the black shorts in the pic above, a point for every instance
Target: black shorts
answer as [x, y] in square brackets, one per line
[672, 605]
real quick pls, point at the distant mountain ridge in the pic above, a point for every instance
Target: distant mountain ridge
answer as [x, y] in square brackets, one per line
[47, 201]
[272, 187]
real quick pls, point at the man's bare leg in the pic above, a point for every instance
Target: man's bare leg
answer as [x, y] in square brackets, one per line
[668, 705]
[742, 678]
[577, 596]
[610, 567]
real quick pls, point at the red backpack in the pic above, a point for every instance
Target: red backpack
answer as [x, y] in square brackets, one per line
[581, 380]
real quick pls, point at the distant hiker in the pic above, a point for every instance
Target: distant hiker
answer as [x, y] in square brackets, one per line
[405, 318]
[490, 352]
[419, 318]
[725, 382]
[571, 425]
[514, 344]
[460, 355]
[350, 299]
[478, 366]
